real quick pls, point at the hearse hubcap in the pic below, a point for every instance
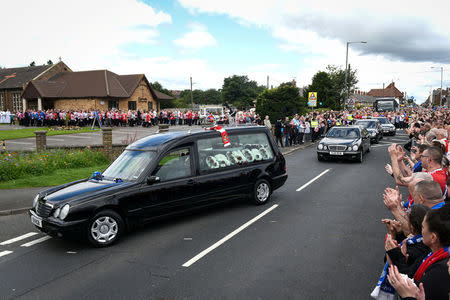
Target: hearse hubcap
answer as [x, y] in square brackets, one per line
[262, 192]
[104, 229]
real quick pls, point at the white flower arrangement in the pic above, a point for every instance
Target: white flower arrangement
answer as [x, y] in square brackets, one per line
[248, 155]
[257, 154]
[222, 160]
[211, 162]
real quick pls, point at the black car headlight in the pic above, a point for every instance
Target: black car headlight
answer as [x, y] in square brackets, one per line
[61, 213]
[320, 147]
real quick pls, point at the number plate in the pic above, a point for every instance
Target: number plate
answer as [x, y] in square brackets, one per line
[36, 221]
[336, 153]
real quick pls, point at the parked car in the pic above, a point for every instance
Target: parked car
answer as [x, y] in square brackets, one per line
[373, 127]
[348, 142]
[162, 175]
[386, 125]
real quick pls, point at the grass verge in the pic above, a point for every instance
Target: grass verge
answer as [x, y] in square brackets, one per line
[56, 178]
[29, 132]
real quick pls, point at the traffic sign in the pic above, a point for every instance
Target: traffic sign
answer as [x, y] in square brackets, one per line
[312, 99]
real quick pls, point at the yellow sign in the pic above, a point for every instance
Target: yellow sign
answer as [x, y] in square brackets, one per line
[312, 99]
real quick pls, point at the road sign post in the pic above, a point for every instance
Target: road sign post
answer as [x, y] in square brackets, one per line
[312, 99]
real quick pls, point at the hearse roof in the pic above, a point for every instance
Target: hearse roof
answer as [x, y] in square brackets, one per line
[153, 142]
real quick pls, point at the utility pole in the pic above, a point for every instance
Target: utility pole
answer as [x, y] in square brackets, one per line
[267, 81]
[442, 73]
[347, 88]
[192, 101]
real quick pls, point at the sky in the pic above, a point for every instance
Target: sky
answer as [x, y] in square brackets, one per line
[172, 40]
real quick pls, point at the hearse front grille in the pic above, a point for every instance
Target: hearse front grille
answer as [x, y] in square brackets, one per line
[337, 147]
[43, 209]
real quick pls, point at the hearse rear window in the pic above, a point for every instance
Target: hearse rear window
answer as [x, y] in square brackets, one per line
[244, 149]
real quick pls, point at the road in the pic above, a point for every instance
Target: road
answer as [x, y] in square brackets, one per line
[121, 135]
[322, 242]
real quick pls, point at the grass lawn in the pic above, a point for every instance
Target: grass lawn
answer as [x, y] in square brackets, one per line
[58, 177]
[29, 132]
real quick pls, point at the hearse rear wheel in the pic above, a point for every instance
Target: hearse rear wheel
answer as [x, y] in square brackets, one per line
[261, 192]
[105, 228]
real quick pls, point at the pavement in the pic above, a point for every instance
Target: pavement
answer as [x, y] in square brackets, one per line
[17, 201]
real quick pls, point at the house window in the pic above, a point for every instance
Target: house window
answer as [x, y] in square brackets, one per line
[113, 104]
[17, 102]
[131, 105]
[2, 102]
[150, 106]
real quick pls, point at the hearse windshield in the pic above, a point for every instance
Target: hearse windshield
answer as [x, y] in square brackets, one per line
[129, 165]
[343, 133]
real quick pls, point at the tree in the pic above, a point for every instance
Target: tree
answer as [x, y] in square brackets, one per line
[32, 64]
[49, 62]
[278, 103]
[330, 86]
[157, 86]
[240, 91]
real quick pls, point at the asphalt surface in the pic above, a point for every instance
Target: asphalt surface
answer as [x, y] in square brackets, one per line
[322, 242]
[121, 135]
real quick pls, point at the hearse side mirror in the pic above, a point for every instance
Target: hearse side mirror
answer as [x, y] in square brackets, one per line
[152, 179]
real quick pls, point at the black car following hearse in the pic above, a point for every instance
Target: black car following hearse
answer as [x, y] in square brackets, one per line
[349, 142]
[162, 175]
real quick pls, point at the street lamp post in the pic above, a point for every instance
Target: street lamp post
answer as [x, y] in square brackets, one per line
[347, 88]
[442, 73]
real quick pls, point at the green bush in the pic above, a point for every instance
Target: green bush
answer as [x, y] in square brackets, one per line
[14, 165]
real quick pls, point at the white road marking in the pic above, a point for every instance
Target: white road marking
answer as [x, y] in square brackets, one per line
[380, 145]
[227, 237]
[3, 253]
[312, 180]
[15, 142]
[187, 239]
[42, 239]
[19, 238]
[83, 137]
[399, 140]
[52, 139]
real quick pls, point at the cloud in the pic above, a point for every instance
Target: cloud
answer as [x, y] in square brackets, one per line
[84, 33]
[197, 38]
[404, 37]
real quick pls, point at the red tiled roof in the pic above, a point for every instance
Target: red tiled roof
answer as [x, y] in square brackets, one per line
[14, 78]
[389, 91]
[86, 84]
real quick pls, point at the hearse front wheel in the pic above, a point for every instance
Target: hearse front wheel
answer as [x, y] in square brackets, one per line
[105, 228]
[261, 192]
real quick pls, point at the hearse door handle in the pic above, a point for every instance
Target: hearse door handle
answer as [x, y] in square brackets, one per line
[191, 182]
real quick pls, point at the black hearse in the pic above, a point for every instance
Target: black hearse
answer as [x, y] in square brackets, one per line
[162, 175]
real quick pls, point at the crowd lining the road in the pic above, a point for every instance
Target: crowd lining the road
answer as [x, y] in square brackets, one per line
[131, 118]
[418, 237]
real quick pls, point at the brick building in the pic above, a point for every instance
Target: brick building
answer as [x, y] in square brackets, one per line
[93, 90]
[390, 91]
[14, 80]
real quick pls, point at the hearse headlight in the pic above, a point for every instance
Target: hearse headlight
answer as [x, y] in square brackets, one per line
[355, 147]
[320, 147]
[373, 133]
[35, 201]
[56, 212]
[64, 212]
[325, 147]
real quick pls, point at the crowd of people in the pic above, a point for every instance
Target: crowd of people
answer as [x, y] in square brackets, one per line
[418, 236]
[120, 118]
